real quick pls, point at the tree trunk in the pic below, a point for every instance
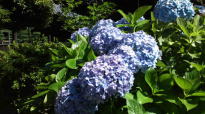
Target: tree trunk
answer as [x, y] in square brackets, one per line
[14, 35]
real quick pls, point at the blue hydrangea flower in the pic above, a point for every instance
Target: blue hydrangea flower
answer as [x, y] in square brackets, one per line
[145, 48]
[123, 21]
[85, 31]
[201, 9]
[170, 10]
[128, 56]
[105, 38]
[107, 76]
[70, 101]
[101, 24]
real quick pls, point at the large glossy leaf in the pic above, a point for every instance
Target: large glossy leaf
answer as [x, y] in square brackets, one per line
[133, 106]
[166, 81]
[71, 63]
[140, 12]
[182, 25]
[123, 14]
[183, 83]
[151, 79]
[189, 105]
[195, 65]
[56, 86]
[142, 99]
[91, 55]
[61, 74]
[198, 94]
[68, 50]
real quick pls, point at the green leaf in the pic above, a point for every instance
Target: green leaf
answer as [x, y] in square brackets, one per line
[161, 64]
[68, 50]
[166, 81]
[33, 108]
[50, 77]
[40, 94]
[91, 55]
[198, 94]
[140, 12]
[56, 86]
[45, 99]
[151, 79]
[82, 39]
[195, 65]
[71, 63]
[132, 105]
[142, 99]
[182, 25]
[123, 14]
[61, 74]
[188, 105]
[183, 83]
[54, 51]
[194, 55]
[154, 28]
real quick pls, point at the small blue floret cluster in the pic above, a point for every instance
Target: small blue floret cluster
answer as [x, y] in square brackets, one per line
[170, 10]
[111, 74]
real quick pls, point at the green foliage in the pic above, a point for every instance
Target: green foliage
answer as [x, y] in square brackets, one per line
[65, 64]
[22, 67]
[4, 16]
[95, 12]
[132, 19]
[177, 84]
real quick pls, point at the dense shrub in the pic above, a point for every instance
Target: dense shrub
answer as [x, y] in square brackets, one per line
[22, 67]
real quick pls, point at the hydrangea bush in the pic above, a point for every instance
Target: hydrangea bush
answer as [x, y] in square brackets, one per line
[170, 10]
[112, 73]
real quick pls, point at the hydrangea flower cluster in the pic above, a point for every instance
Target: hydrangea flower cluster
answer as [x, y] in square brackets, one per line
[201, 9]
[129, 56]
[70, 101]
[85, 31]
[145, 48]
[101, 24]
[105, 39]
[111, 73]
[170, 10]
[105, 77]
